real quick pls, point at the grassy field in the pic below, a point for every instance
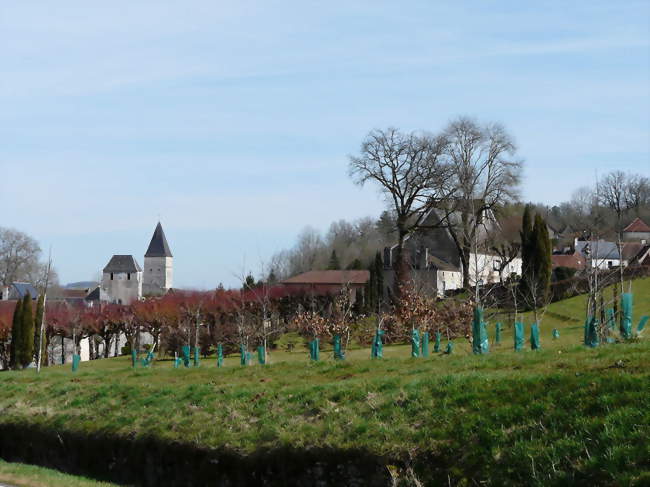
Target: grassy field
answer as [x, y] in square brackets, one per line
[563, 414]
[20, 475]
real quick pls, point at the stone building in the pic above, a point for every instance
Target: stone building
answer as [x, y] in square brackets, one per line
[122, 280]
[158, 265]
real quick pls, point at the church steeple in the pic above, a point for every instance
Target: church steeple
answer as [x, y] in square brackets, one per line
[158, 265]
[158, 246]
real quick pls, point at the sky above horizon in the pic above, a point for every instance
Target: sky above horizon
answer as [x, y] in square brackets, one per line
[232, 122]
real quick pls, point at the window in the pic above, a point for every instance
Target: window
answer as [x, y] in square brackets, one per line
[609, 264]
[128, 276]
[111, 276]
[496, 264]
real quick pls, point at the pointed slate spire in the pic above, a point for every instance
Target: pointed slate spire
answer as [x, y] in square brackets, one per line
[158, 246]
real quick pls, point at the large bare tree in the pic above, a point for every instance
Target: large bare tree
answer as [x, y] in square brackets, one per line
[411, 171]
[485, 176]
[19, 254]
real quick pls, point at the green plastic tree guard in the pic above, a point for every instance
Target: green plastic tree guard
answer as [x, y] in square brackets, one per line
[76, 359]
[314, 350]
[611, 319]
[261, 355]
[497, 335]
[642, 323]
[338, 349]
[436, 344]
[134, 358]
[480, 343]
[243, 355]
[556, 333]
[219, 355]
[534, 337]
[177, 362]
[415, 343]
[450, 348]
[591, 332]
[186, 355]
[377, 350]
[197, 360]
[626, 315]
[425, 344]
[519, 336]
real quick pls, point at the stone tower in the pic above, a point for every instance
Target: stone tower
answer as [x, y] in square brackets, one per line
[158, 265]
[122, 280]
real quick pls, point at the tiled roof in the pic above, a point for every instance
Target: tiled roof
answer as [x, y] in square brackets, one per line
[574, 261]
[158, 247]
[122, 263]
[442, 265]
[330, 277]
[637, 225]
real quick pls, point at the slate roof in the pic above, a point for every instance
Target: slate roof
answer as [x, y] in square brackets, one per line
[637, 225]
[599, 249]
[122, 263]
[158, 247]
[330, 277]
[22, 288]
[441, 264]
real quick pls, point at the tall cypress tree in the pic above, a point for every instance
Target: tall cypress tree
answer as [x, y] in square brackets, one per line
[371, 287]
[542, 258]
[26, 354]
[526, 235]
[379, 279]
[16, 335]
[334, 263]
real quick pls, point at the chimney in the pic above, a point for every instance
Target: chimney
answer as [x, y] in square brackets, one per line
[4, 293]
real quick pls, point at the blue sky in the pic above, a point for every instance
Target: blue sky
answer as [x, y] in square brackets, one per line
[233, 121]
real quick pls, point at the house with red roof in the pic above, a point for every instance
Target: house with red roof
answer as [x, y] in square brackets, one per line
[637, 231]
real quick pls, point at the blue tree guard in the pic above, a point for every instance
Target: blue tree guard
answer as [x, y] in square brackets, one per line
[591, 332]
[377, 350]
[314, 350]
[436, 344]
[76, 359]
[186, 355]
[261, 355]
[219, 355]
[519, 336]
[556, 334]
[338, 349]
[534, 337]
[450, 348]
[497, 334]
[425, 344]
[415, 343]
[480, 343]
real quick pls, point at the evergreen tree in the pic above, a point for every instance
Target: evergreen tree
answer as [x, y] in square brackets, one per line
[355, 265]
[272, 279]
[371, 290]
[379, 279]
[38, 319]
[526, 250]
[16, 325]
[334, 262]
[542, 258]
[26, 353]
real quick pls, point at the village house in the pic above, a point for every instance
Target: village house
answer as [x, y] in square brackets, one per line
[17, 290]
[435, 265]
[321, 283]
[637, 231]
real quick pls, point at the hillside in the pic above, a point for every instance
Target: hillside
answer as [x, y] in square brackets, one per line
[561, 415]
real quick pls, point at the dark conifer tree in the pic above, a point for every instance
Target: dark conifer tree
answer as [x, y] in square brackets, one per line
[355, 265]
[14, 349]
[334, 263]
[542, 258]
[379, 279]
[26, 354]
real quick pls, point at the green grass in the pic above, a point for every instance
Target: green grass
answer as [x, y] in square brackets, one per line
[553, 416]
[21, 475]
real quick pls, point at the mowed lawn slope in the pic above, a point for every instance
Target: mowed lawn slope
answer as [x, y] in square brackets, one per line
[563, 414]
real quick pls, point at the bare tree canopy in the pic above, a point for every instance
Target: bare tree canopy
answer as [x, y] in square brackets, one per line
[410, 170]
[485, 175]
[19, 254]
